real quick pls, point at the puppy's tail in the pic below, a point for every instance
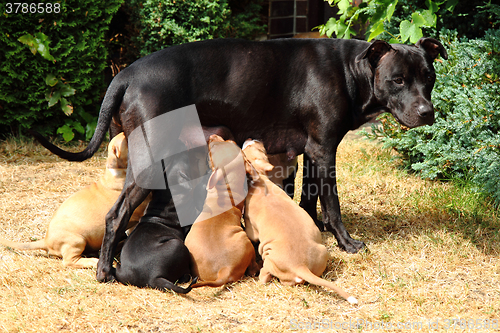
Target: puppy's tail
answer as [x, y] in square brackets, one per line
[305, 274]
[38, 245]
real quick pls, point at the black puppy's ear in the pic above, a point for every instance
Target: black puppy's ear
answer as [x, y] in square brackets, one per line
[433, 47]
[374, 52]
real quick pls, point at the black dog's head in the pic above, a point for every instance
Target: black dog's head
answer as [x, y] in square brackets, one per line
[403, 78]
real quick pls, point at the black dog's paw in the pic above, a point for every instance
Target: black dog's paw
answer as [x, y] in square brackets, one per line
[106, 275]
[351, 245]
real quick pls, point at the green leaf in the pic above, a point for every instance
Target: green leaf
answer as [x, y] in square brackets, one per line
[54, 98]
[78, 127]
[433, 6]
[343, 6]
[66, 107]
[404, 30]
[90, 129]
[27, 39]
[66, 90]
[376, 30]
[42, 37]
[86, 116]
[331, 26]
[30, 41]
[51, 80]
[417, 19]
[430, 18]
[415, 33]
[390, 9]
[38, 43]
[348, 32]
[66, 132]
[450, 5]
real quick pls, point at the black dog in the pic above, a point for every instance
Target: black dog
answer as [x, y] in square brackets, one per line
[295, 95]
[154, 255]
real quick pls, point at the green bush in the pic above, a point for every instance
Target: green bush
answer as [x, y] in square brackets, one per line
[28, 82]
[397, 21]
[464, 142]
[163, 23]
[52, 64]
[469, 18]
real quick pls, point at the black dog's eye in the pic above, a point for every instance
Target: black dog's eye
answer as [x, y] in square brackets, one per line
[399, 80]
[430, 78]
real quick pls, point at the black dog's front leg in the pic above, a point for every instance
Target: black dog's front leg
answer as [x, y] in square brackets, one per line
[322, 182]
[116, 223]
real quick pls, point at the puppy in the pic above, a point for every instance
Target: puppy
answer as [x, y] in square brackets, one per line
[220, 249]
[290, 242]
[78, 225]
[154, 255]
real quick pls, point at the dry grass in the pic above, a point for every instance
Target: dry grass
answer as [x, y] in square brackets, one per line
[434, 253]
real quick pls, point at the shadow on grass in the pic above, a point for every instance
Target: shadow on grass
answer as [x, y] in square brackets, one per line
[483, 231]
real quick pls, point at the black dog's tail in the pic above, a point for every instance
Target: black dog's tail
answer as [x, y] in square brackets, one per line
[169, 285]
[111, 103]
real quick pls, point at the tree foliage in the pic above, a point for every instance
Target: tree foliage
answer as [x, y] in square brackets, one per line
[401, 21]
[51, 65]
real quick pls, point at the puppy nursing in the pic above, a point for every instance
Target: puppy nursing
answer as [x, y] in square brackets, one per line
[290, 242]
[220, 249]
[78, 225]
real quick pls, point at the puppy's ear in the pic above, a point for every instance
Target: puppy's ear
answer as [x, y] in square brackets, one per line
[374, 52]
[250, 170]
[115, 151]
[215, 177]
[263, 165]
[433, 47]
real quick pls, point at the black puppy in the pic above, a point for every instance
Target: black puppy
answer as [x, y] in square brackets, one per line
[154, 255]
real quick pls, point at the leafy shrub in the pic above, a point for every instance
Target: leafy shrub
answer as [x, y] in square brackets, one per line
[163, 23]
[75, 40]
[469, 18]
[464, 142]
[400, 20]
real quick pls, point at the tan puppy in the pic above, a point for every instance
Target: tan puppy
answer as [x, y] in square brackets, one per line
[219, 247]
[78, 225]
[290, 242]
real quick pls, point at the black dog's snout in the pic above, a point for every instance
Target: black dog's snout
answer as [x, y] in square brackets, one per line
[426, 112]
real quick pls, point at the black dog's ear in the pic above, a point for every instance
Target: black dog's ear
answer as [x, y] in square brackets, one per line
[433, 47]
[374, 52]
